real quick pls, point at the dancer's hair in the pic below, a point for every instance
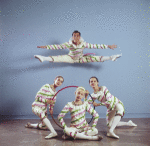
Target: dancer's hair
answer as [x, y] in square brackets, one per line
[82, 88]
[76, 31]
[95, 78]
[59, 77]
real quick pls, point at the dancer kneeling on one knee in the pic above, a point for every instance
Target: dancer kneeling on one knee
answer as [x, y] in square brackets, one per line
[39, 107]
[79, 128]
[115, 108]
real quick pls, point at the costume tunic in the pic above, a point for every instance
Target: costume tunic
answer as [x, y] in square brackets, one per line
[78, 121]
[76, 52]
[39, 106]
[111, 102]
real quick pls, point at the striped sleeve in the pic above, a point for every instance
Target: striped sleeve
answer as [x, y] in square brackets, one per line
[96, 46]
[90, 101]
[58, 47]
[92, 111]
[64, 111]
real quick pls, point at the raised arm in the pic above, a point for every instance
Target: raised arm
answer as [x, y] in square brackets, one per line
[56, 47]
[91, 110]
[62, 115]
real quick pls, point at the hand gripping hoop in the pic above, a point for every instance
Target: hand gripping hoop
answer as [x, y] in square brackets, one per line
[57, 93]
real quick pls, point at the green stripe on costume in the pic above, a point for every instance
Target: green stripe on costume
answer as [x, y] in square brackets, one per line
[106, 93]
[74, 112]
[45, 94]
[78, 119]
[97, 46]
[55, 47]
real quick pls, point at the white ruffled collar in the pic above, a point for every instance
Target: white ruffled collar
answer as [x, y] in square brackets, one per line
[78, 46]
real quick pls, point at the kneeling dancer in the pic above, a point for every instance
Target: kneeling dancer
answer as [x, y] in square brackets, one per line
[39, 107]
[115, 108]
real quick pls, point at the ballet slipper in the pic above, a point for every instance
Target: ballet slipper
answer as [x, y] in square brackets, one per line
[114, 57]
[130, 123]
[112, 134]
[28, 125]
[39, 57]
[51, 135]
[65, 137]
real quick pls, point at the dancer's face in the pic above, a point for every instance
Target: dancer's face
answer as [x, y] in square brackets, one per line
[58, 81]
[76, 37]
[79, 94]
[93, 82]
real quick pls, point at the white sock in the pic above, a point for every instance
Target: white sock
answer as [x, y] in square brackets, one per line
[130, 123]
[114, 57]
[43, 58]
[49, 126]
[113, 126]
[105, 58]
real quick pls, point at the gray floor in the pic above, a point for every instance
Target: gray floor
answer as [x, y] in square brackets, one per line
[13, 133]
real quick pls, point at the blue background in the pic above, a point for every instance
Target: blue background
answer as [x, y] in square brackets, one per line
[24, 25]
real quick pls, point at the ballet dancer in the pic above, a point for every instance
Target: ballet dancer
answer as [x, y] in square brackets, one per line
[76, 45]
[79, 128]
[43, 98]
[115, 108]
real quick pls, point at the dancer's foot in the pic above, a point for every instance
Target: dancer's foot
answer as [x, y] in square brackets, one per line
[100, 137]
[39, 57]
[130, 123]
[114, 57]
[28, 125]
[112, 134]
[65, 137]
[51, 135]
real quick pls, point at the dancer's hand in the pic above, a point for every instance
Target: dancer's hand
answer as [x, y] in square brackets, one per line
[41, 46]
[86, 94]
[51, 111]
[112, 46]
[49, 101]
[95, 104]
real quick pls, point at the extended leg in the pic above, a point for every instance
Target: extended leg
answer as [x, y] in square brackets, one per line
[60, 58]
[86, 59]
[72, 132]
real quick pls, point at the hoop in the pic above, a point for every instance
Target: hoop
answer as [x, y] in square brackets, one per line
[56, 94]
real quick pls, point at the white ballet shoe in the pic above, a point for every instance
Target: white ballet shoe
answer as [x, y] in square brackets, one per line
[112, 134]
[28, 125]
[114, 57]
[51, 135]
[39, 57]
[65, 137]
[130, 123]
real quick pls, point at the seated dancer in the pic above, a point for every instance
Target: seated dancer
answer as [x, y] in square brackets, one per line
[79, 128]
[39, 107]
[76, 45]
[115, 108]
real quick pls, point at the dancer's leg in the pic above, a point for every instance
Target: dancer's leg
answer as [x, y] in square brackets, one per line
[29, 125]
[86, 59]
[72, 132]
[43, 58]
[62, 58]
[50, 127]
[43, 116]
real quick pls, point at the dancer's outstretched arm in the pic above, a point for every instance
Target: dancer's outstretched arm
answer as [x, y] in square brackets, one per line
[56, 47]
[98, 46]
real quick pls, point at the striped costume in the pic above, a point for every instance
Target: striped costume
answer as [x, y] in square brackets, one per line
[76, 52]
[113, 104]
[78, 121]
[39, 106]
